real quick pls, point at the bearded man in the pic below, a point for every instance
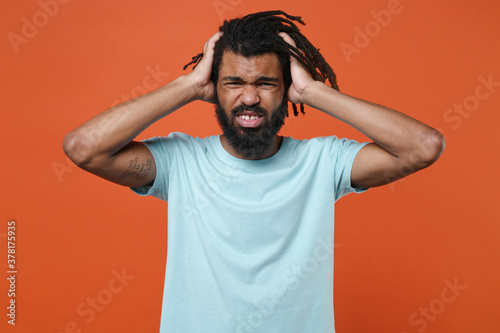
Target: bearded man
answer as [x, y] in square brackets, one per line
[251, 213]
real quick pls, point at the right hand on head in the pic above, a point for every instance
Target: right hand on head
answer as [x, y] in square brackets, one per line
[201, 74]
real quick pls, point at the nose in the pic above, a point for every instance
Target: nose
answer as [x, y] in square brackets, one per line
[250, 95]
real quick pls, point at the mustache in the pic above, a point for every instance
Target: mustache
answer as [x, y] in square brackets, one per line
[254, 108]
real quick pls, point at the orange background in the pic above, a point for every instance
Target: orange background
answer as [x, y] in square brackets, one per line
[397, 246]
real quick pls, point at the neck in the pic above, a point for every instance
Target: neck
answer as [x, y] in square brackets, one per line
[273, 149]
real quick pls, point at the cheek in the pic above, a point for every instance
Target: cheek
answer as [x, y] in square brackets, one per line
[276, 99]
[226, 97]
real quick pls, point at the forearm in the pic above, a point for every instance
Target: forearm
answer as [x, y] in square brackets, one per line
[108, 132]
[397, 133]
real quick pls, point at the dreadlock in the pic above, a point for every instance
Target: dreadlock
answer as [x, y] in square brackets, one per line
[257, 34]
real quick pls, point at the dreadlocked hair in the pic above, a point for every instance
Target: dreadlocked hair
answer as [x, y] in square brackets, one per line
[257, 34]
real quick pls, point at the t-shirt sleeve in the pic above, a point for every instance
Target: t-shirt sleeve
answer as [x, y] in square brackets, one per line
[162, 149]
[343, 152]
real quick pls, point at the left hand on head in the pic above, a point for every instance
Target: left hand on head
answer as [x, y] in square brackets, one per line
[300, 76]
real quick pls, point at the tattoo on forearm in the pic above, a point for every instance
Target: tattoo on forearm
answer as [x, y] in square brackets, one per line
[137, 169]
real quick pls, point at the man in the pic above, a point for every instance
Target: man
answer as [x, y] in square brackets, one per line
[251, 213]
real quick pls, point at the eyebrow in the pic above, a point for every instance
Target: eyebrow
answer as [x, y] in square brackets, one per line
[260, 78]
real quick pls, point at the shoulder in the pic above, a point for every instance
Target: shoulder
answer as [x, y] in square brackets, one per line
[331, 144]
[179, 139]
[330, 151]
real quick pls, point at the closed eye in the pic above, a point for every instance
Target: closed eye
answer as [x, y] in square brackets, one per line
[267, 85]
[238, 84]
[233, 84]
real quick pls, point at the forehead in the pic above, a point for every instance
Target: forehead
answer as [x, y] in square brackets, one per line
[261, 65]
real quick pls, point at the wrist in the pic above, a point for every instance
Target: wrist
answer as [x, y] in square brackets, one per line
[200, 88]
[312, 92]
[188, 88]
[184, 89]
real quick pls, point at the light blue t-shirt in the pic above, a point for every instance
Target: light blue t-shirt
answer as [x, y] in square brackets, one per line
[250, 242]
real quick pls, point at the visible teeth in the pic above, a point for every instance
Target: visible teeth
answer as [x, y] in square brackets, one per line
[246, 117]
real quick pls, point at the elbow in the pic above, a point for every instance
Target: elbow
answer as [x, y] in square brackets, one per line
[436, 143]
[77, 149]
[430, 147]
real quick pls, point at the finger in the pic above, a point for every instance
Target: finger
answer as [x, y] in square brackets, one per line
[209, 45]
[287, 38]
[208, 48]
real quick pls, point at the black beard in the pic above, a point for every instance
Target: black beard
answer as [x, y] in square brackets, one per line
[251, 143]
